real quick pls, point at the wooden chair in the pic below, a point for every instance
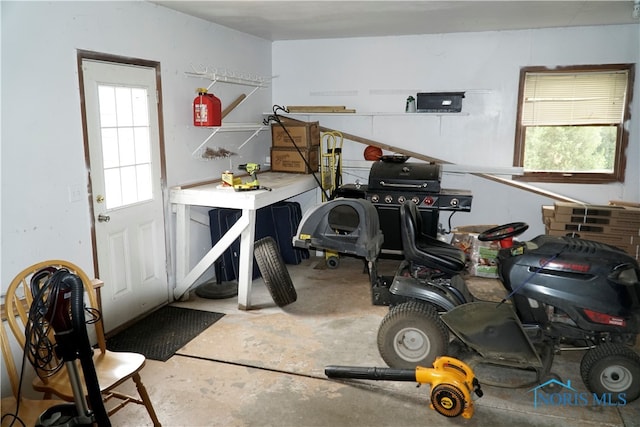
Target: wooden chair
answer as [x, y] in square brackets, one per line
[112, 368]
[30, 409]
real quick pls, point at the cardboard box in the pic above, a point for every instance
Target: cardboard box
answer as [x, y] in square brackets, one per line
[547, 212]
[623, 230]
[597, 210]
[289, 160]
[481, 256]
[597, 220]
[305, 134]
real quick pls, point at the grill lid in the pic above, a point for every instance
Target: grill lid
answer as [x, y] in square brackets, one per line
[424, 177]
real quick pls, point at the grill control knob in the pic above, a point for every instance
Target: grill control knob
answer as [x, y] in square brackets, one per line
[375, 198]
[388, 199]
[454, 202]
[401, 199]
[416, 200]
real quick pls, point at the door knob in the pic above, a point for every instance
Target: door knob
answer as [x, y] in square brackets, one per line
[104, 218]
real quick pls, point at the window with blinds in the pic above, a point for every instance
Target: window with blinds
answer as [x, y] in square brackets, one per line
[570, 125]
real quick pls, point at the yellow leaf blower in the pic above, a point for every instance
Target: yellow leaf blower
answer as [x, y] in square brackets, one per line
[452, 382]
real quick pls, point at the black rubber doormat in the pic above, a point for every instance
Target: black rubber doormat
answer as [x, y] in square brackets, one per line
[162, 333]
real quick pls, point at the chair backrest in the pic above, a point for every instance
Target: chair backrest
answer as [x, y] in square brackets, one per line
[9, 363]
[19, 298]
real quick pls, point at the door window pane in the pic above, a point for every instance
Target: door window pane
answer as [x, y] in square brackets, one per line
[140, 108]
[126, 146]
[129, 192]
[143, 145]
[109, 147]
[123, 106]
[107, 96]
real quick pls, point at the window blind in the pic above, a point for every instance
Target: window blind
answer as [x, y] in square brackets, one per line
[580, 98]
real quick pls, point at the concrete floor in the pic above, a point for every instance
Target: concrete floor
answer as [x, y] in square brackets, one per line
[265, 367]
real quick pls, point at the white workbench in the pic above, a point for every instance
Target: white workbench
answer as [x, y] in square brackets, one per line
[283, 186]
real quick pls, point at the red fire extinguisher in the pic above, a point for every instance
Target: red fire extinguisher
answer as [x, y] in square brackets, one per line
[207, 109]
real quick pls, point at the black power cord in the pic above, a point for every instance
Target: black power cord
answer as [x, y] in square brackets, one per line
[275, 117]
[45, 286]
[38, 349]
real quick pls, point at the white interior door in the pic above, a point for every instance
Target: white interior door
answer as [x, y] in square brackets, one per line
[124, 150]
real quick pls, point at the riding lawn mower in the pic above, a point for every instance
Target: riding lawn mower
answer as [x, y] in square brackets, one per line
[564, 293]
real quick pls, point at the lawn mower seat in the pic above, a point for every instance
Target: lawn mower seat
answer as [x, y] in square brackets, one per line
[422, 249]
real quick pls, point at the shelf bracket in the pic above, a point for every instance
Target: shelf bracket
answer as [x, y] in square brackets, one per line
[251, 137]
[197, 150]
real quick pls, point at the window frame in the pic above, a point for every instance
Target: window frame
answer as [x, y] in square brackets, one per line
[622, 134]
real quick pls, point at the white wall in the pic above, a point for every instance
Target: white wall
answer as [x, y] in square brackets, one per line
[377, 75]
[42, 148]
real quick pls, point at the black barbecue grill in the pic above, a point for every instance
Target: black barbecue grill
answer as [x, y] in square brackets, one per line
[391, 183]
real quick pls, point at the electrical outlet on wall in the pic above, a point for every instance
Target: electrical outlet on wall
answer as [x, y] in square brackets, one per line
[76, 193]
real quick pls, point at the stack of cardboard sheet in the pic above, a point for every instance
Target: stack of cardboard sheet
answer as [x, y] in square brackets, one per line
[617, 224]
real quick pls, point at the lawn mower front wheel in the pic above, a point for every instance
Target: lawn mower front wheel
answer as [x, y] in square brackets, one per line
[412, 334]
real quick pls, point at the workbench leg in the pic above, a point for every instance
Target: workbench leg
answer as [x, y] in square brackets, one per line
[245, 273]
[207, 261]
[183, 227]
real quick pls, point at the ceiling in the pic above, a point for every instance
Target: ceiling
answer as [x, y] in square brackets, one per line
[303, 20]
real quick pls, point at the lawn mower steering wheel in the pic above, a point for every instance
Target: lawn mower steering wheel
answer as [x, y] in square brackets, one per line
[504, 231]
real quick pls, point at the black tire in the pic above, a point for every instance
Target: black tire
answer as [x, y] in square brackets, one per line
[412, 334]
[612, 368]
[333, 262]
[214, 290]
[274, 272]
